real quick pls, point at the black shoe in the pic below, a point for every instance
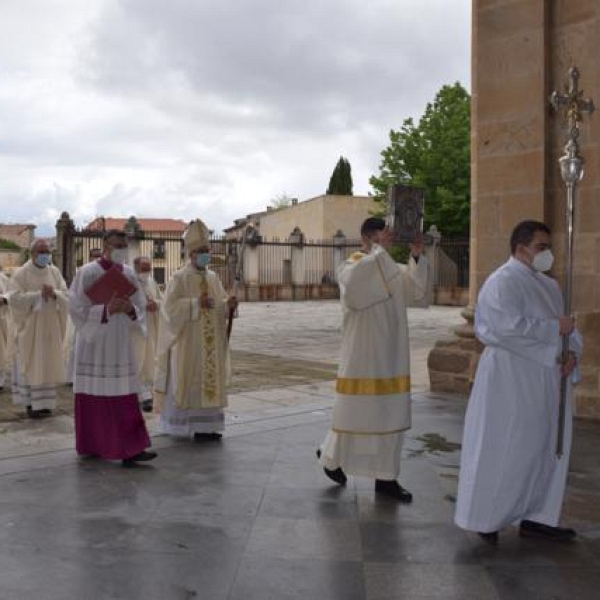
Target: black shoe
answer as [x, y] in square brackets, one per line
[143, 456]
[336, 475]
[147, 406]
[491, 537]
[45, 411]
[393, 489]
[214, 436]
[34, 414]
[539, 530]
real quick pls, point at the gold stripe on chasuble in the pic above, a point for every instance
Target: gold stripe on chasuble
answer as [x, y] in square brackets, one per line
[356, 256]
[358, 386]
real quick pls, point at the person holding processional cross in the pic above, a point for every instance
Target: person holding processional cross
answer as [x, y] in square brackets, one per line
[192, 365]
[509, 471]
[518, 426]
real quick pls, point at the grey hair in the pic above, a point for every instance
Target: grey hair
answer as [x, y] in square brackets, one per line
[36, 242]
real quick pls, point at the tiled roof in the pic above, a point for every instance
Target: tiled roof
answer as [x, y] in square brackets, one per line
[15, 228]
[105, 223]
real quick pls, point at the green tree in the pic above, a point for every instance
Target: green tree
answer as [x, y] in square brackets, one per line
[8, 244]
[436, 156]
[340, 182]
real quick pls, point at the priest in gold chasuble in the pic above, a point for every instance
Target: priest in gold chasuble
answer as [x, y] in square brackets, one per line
[373, 403]
[192, 365]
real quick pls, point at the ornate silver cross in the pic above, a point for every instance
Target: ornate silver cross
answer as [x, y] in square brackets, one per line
[571, 170]
[573, 101]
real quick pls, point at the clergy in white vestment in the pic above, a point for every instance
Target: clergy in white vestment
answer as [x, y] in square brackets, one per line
[510, 472]
[108, 420]
[192, 364]
[5, 340]
[372, 402]
[38, 303]
[145, 346]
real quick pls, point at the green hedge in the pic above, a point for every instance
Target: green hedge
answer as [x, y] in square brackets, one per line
[8, 245]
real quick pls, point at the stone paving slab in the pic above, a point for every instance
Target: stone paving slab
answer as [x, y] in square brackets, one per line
[253, 517]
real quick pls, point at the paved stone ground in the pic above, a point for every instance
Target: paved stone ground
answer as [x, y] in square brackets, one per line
[253, 517]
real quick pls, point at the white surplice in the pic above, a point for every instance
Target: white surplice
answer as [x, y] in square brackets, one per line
[39, 329]
[509, 469]
[192, 365]
[373, 404]
[145, 346]
[105, 363]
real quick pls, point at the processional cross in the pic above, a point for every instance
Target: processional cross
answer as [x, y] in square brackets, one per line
[571, 170]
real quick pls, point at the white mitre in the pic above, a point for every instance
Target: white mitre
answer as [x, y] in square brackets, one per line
[196, 236]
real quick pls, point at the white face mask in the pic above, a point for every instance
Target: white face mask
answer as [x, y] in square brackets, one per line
[43, 260]
[543, 261]
[203, 260]
[119, 255]
[143, 277]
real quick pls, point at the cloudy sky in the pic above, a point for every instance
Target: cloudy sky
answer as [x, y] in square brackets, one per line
[208, 108]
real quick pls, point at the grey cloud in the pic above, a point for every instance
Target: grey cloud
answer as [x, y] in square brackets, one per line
[310, 64]
[209, 108]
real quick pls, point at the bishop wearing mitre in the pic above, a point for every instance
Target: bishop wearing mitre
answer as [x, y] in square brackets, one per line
[192, 363]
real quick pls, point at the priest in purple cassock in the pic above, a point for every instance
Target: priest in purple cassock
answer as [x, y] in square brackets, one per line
[108, 420]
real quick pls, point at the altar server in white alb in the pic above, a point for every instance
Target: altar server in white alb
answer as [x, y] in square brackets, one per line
[510, 473]
[145, 346]
[192, 366]
[373, 404]
[38, 301]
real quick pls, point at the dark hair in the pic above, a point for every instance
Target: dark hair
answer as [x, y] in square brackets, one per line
[114, 233]
[523, 233]
[371, 225]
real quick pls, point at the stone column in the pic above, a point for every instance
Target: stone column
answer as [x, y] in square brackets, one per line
[509, 163]
[432, 241]
[251, 272]
[296, 239]
[133, 249]
[339, 251]
[64, 255]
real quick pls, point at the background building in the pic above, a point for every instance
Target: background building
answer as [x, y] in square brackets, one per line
[15, 241]
[160, 239]
[319, 218]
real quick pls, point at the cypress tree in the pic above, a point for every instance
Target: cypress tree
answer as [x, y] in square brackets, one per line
[340, 182]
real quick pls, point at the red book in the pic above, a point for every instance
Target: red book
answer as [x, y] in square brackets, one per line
[112, 283]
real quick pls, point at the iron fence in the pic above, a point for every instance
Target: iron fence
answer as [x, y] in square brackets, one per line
[275, 262]
[453, 270]
[274, 258]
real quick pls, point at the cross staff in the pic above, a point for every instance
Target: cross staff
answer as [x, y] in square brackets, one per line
[571, 170]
